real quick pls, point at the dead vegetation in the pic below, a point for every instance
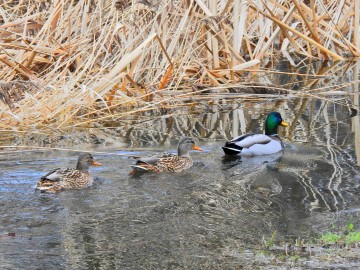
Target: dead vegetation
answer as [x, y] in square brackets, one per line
[73, 64]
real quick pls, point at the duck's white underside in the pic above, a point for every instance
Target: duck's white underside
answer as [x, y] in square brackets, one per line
[262, 149]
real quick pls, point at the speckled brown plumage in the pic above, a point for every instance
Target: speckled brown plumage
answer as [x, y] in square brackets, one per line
[168, 162]
[63, 179]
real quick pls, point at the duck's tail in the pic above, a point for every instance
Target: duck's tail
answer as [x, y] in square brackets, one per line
[45, 189]
[137, 169]
[45, 185]
[231, 148]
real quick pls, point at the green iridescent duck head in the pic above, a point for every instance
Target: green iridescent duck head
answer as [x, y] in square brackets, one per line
[272, 122]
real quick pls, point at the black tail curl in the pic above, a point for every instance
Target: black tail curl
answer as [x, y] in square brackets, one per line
[231, 148]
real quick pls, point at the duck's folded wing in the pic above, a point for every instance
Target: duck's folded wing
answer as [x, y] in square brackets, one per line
[154, 159]
[248, 140]
[56, 174]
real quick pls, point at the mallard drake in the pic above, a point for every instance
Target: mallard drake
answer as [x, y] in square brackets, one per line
[66, 178]
[258, 144]
[169, 162]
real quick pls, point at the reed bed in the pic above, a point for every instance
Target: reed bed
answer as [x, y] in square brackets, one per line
[69, 66]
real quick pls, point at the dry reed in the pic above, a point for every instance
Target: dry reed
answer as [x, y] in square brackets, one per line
[89, 63]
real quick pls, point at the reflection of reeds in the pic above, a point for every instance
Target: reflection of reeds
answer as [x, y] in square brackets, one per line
[107, 60]
[356, 119]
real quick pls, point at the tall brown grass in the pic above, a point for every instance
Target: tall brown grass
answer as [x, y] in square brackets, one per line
[97, 62]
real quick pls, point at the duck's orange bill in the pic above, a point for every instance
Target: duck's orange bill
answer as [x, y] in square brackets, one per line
[95, 163]
[284, 124]
[197, 148]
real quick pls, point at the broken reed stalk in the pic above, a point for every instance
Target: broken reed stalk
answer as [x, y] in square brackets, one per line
[313, 42]
[166, 77]
[270, 41]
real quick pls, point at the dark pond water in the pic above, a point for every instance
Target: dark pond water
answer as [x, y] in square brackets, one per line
[212, 216]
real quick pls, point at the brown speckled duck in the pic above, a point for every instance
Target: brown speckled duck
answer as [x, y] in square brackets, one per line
[62, 179]
[169, 162]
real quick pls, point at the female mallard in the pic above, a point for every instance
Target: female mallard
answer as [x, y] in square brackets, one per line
[169, 162]
[61, 179]
[258, 144]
